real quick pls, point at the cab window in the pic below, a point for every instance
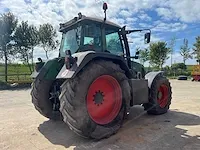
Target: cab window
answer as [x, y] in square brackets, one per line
[113, 43]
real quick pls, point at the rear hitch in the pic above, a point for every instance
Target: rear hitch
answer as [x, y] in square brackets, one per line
[69, 60]
[54, 96]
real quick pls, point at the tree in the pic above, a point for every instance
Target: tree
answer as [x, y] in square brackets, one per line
[47, 38]
[185, 51]
[177, 66]
[8, 23]
[33, 40]
[197, 49]
[24, 45]
[158, 54]
[144, 56]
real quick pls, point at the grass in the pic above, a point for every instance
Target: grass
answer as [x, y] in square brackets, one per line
[190, 68]
[19, 70]
[15, 69]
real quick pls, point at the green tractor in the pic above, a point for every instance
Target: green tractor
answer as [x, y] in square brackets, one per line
[94, 82]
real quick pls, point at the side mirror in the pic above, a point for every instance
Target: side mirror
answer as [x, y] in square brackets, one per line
[147, 38]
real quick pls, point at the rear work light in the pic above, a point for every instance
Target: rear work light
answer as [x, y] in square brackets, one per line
[69, 60]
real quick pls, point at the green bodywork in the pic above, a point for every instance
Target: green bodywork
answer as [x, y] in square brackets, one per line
[50, 69]
[138, 67]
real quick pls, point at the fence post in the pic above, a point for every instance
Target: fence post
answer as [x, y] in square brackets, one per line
[17, 75]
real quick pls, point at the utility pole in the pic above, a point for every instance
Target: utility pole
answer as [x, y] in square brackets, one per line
[172, 44]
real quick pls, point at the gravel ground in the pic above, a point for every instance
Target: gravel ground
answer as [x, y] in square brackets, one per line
[22, 127]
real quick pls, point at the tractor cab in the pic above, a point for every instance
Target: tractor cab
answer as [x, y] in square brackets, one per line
[98, 35]
[93, 34]
[90, 34]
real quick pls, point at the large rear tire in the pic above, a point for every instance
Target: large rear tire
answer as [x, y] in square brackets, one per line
[40, 94]
[160, 96]
[94, 103]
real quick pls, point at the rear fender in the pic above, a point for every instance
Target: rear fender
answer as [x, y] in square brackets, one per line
[151, 76]
[83, 58]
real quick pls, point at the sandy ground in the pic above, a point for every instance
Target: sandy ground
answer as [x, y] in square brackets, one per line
[23, 128]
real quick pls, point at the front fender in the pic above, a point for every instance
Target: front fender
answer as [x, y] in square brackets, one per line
[151, 76]
[49, 70]
[83, 58]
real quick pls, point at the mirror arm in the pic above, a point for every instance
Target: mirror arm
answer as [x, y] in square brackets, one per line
[131, 31]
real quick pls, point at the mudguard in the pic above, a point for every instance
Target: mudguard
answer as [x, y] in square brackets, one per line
[151, 76]
[83, 58]
[49, 70]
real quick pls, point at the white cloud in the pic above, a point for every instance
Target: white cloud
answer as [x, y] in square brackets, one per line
[166, 13]
[125, 13]
[185, 10]
[168, 27]
[119, 21]
[47, 12]
[131, 20]
[145, 25]
[144, 17]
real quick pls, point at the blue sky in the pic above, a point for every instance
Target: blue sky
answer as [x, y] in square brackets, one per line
[166, 18]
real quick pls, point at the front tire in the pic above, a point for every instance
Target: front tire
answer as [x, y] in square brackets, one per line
[160, 96]
[94, 103]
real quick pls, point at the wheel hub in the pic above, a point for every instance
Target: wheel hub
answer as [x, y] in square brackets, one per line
[104, 99]
[159, 95]
[163, 95]
[98, 98]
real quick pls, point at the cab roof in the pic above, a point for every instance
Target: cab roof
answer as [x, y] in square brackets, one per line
[75, 20]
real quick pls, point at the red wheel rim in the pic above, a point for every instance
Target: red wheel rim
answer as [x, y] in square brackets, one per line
[104, 99]
[163, 95]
